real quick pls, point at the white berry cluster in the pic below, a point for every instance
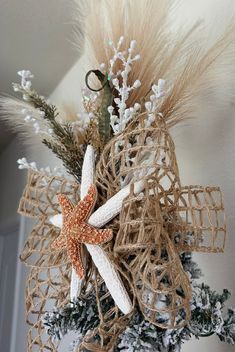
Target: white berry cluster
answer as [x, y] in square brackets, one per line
[26, 83]
[35, 118]
[120, 83]
[151, 106]
[24, 164]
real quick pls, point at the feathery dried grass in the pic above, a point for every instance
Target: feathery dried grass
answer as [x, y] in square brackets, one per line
[68, 113]
[79, 11]
[180, 55]
[11, 112]
[112, 19]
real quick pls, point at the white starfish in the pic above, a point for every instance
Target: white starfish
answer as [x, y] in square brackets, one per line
[98, 219]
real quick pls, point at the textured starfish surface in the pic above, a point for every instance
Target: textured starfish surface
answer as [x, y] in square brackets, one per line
[76, 231]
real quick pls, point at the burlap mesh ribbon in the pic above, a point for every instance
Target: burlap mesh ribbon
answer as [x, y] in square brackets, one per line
[148, 235]
[157, 224]
[112, 321]
[49, 270]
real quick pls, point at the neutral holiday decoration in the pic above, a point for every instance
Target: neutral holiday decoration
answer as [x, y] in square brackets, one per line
[115, 228]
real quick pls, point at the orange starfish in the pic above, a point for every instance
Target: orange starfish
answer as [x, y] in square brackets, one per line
[76, 231]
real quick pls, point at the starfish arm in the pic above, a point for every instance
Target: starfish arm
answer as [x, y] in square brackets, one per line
[87, 171]
[60, 242]
[113, 206]
[111, 277]
[91, 235]
[66, 206]
[75, 285]
[103, 236]
[74, 252]
[85, 206]
[86, 181]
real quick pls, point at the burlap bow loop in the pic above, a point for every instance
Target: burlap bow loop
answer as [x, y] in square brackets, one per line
[147, 252]
[200, 222]
[49, 270]
[39, 200]
[140, 151]
[155, 225]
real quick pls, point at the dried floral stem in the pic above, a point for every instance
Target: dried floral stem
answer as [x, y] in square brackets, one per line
[62, 142]
[102, 113]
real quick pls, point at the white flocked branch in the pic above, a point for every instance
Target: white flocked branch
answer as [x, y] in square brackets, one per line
[98, 219]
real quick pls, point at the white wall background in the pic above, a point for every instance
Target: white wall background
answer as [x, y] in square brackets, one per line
[11, 181]
[11, 186]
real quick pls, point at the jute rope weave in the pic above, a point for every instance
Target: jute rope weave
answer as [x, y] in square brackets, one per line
[166, 219]
[48, 270]
[148, 234]
[202, 209]
[112, 321]
[143, 245]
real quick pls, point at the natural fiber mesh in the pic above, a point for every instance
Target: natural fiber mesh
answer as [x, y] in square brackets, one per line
[45, 289]
[40, 195]
[142, 244]
[145, 242]
[200, 221]
[49, 273]
[161, 286]
[38, 249]
[112, 321]
[137, 153]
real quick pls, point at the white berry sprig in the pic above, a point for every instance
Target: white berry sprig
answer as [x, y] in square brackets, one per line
[120, 81]
[23, 164]
[152, 105]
